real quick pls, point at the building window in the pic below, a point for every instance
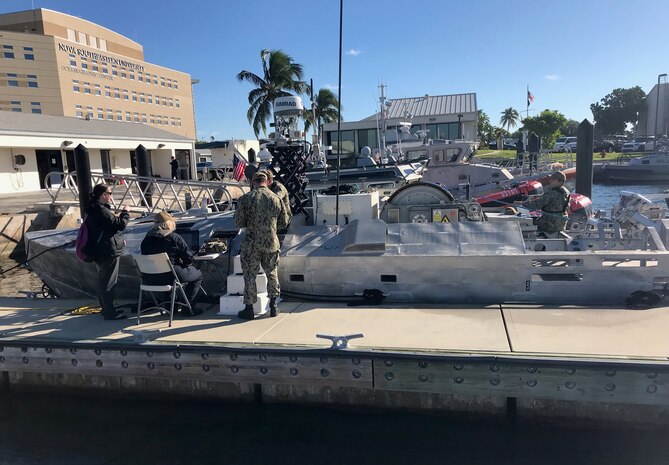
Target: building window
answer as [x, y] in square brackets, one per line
[144, 118]
[123, 74]
[107, 91]
[103, 44]
[93, 41]
[105, 70]
[131, 76]
[136, 118]
[12, 80]
[71, 35]
[18, 110]
[98, 91]
[83, 38]
[119, 116]
[114, 70]
[128, 117]
[101, 114]
[150, 98]
[32, 80]
[178, 105]
[134, 96]
[8, 51]
[37, 111]
[73, 60]
[142, 99]
[125, 95]
[78, 111]
[110, 114]
[28, 53]
[87, 89]
[117, 93]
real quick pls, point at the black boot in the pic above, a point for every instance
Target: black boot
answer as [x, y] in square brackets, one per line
[273, 309]
[247, 313]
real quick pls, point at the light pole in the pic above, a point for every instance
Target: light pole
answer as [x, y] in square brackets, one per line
[193, 161]
[459, 126]
[657, 104]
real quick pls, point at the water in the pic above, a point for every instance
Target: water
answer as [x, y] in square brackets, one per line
[605, 196]
[38, 429]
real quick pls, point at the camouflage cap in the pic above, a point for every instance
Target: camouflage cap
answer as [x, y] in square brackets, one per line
[260, 176]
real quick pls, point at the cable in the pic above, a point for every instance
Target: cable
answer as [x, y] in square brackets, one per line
[67, 244]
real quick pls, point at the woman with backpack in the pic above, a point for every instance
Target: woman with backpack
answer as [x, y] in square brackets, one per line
[105, 245]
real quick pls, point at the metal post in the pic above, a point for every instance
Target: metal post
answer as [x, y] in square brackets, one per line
[341, 22]
[657, 106]
[82, 166]
[142, 157]
[585, 139]
[459, 127]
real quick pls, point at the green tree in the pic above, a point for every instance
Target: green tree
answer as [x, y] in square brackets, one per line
[509, 118]
[570, 128]
[546, 125]
[281, 76]
[326, 109]
[483, 127]
[614, 111]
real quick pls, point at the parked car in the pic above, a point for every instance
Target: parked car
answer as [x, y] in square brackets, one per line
[639, 144]
[618, 141]
[510, 144]
[562, 143]
[605, 145]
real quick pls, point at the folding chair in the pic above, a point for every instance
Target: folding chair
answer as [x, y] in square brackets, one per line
[154, 265]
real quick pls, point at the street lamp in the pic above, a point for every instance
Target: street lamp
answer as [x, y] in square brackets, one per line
[657, 104]
[460, 126]
[193, 162]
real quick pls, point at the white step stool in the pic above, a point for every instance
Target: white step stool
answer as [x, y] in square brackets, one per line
[233, 301]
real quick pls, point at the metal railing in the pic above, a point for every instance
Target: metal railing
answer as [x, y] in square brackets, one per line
[149, 193]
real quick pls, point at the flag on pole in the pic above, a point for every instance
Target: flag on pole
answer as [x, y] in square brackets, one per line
[238, 167]
[530, 97]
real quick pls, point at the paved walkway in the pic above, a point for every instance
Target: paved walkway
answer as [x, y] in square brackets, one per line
[513, 330]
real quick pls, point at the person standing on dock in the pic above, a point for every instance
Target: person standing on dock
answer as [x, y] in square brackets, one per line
[554, 203]
[261, 213]
[281, 192]
[104, 232]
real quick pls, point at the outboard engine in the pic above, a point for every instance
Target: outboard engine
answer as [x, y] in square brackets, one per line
[289, 150]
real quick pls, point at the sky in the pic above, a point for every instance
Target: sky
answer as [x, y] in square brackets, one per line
[571, 53]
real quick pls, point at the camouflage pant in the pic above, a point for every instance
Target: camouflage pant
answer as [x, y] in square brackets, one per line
[251, 260]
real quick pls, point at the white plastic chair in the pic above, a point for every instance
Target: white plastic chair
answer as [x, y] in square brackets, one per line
[153, 265]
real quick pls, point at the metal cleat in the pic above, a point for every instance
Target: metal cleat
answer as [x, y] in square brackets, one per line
[340, 342]
[140, 336]
[30, 294]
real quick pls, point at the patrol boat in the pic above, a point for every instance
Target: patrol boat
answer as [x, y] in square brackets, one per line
[422, 246]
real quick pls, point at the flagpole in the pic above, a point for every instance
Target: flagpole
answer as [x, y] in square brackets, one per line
[527, 97]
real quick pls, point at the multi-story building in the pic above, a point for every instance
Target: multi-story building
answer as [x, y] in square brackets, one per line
[56, 64]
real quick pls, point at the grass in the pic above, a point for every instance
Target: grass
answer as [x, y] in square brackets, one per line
[487, 154]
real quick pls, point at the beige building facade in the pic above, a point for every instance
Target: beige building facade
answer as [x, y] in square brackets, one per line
[56, 64]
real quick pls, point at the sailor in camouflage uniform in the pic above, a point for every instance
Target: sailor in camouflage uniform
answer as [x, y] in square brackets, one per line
[262, 213]
[554, 203]
[281, 192]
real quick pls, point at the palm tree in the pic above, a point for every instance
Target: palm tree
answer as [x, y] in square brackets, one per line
[325, 108]
[483, 127]
[280, 77]
[509, 118]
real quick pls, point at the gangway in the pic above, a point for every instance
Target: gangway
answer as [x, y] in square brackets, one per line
[150, 194]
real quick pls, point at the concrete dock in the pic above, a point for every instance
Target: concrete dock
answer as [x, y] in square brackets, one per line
[602, 364]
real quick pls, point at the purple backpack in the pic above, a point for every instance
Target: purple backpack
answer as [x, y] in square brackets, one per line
[80, 245]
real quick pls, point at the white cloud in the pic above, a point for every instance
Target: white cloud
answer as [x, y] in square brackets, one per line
[553, 77]
[353, 52]
[331, 86]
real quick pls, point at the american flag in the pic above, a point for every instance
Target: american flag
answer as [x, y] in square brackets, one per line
[238, 167]
[530, 98]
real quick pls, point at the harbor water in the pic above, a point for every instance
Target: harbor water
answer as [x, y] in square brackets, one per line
[38, 429]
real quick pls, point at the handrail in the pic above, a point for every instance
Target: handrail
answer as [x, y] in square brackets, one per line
[151, 193]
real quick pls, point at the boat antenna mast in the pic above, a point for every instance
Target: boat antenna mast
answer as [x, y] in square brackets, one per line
[384, 105]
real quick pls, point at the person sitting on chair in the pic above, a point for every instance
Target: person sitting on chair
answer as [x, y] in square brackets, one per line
[162, 238]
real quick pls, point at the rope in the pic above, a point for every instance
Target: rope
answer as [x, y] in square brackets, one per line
[25, 263]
